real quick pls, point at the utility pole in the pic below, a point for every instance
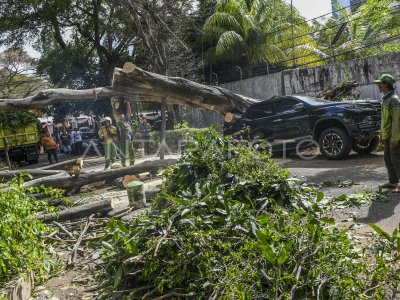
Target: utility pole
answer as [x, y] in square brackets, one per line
[291, 18]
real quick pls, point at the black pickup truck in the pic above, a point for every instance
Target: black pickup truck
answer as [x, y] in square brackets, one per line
[296, 122]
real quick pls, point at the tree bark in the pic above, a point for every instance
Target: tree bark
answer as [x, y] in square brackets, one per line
[72, 183]
[81, 211]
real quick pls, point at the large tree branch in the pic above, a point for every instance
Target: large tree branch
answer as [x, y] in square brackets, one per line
[52, 96]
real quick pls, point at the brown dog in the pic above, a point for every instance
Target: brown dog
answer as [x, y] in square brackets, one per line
[75, 168]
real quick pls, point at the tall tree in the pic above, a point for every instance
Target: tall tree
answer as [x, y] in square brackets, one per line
[17, 75]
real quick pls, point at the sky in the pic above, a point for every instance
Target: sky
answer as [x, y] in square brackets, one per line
[312, 8]
[307, 8]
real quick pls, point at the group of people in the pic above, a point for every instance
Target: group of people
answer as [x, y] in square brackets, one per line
[119, 138]
[68, 141]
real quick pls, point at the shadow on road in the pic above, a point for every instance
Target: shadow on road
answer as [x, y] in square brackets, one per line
[372, 160]
[363, 174]
[381, 210]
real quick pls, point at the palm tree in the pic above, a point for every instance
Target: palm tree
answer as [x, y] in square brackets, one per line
[368, 32]
[258, 30]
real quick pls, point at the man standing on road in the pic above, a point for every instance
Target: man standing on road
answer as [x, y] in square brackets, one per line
[144, 129]
[108, 133]
[50, 145]
[124, 138]
[78, 142]
[390, 130]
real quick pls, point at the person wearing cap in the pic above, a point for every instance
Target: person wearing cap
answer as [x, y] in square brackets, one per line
[108, 133]
[124, 138]
[390, 130]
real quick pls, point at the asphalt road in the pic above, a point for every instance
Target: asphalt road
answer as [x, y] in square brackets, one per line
[367, 171]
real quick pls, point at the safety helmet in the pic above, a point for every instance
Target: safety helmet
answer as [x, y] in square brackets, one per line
[107, 119]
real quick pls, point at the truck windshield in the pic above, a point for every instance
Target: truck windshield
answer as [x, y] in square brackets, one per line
[312, 101]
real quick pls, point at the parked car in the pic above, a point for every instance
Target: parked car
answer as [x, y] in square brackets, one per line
[296, 122]
[87, 133]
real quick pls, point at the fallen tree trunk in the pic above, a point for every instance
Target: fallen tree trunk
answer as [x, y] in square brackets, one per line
[176, 90]
[34, 172]
[73, 184]
[81, 211]
[144, 86]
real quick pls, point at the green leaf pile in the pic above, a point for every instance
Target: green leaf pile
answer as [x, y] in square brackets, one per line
[17, 119]
[230, 224]
[21, 244]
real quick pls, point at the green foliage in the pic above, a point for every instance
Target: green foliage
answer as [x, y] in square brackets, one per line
[21, 244]
[17, 119]
[230, 224]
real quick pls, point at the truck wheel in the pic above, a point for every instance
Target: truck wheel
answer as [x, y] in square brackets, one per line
[366, 147]
[334, 143]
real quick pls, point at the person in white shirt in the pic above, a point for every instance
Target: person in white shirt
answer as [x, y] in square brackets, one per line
[78, 141]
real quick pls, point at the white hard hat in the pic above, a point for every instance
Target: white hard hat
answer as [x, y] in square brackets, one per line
[107, 119]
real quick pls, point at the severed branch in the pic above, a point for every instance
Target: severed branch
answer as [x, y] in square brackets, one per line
[63, 229]
[74, 253]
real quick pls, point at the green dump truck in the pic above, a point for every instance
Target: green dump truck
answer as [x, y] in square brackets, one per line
[22, 142]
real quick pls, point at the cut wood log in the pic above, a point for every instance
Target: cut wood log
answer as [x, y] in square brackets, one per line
[75, 183]
[34, 172]
[81, 211]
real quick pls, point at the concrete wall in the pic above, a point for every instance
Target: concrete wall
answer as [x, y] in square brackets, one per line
[260, 87]
[312, 81]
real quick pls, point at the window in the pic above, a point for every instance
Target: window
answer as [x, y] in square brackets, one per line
[262, 111]
[285, 106]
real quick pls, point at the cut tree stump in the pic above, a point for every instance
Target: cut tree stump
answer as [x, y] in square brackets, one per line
[81, 211]
[73, 184]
